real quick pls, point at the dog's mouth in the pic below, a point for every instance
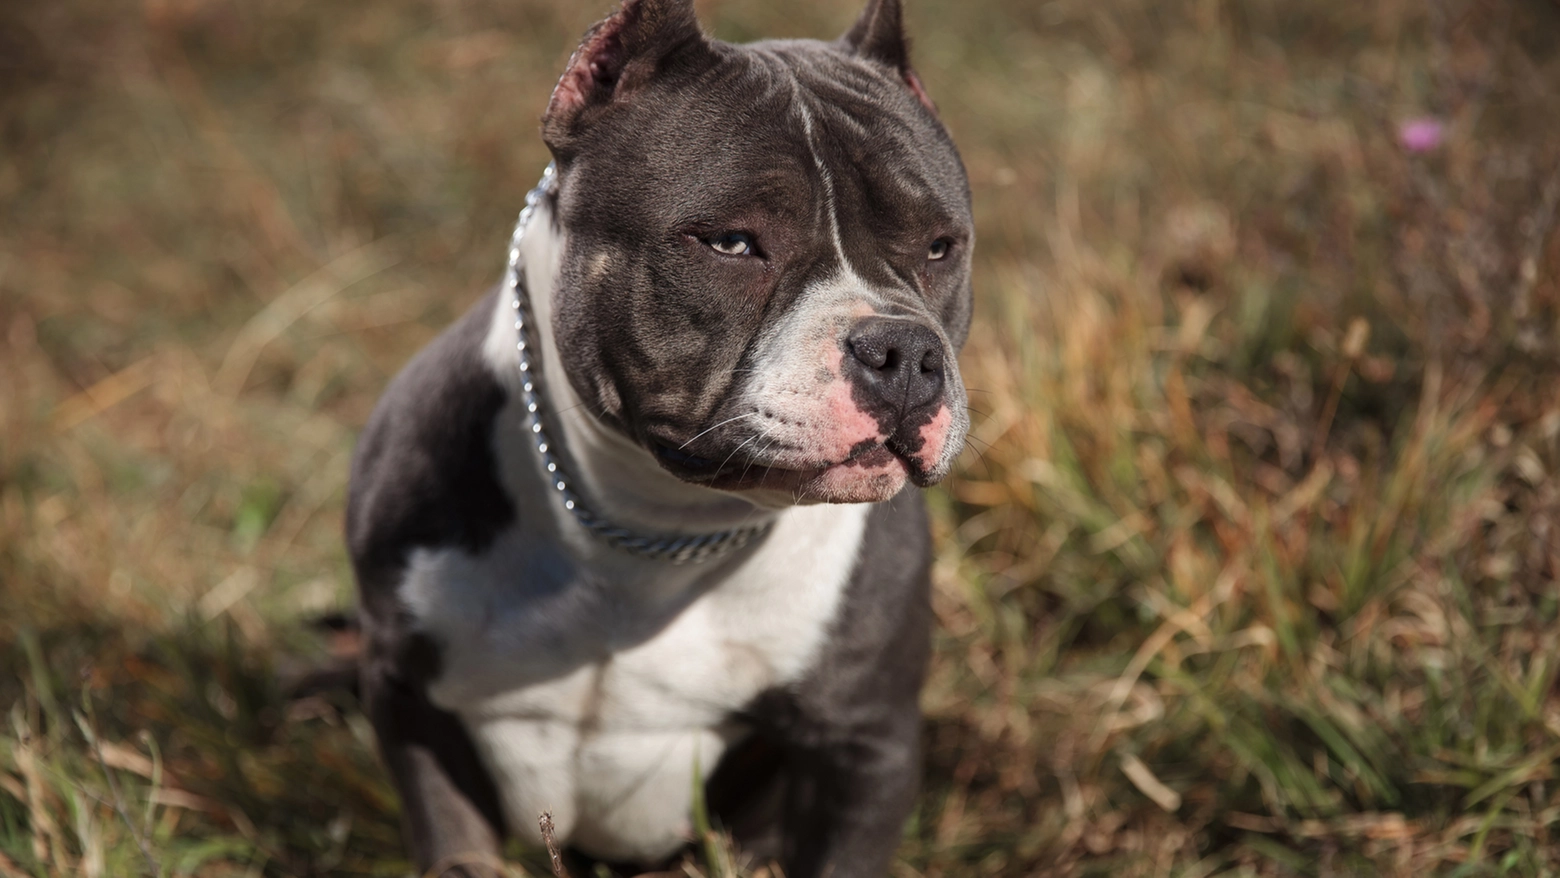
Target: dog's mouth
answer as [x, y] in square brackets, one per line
[676, 459]
[738, 471]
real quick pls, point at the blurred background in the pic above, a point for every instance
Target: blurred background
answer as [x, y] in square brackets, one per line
[1250, 567]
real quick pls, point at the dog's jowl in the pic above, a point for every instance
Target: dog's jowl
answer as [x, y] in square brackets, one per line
[646, 517]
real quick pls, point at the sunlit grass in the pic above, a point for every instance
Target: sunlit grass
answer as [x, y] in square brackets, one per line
[1250, 568]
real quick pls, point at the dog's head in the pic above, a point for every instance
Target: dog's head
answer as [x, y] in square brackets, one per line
[767, 274]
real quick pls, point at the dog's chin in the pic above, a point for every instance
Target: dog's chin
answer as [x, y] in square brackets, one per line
[871, 476]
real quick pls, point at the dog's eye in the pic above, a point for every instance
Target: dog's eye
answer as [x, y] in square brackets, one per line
[939, 250]
[733, 244]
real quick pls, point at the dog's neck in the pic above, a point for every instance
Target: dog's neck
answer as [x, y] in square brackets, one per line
[621, 481]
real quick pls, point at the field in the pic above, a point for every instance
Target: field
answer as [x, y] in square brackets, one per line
[1251, 565]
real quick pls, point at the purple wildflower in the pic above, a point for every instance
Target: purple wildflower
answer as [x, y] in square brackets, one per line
[1421, 135]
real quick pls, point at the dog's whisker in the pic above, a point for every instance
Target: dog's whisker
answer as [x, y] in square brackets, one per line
[760, 454]
[716, 427]
[986, 464]
[735, 450]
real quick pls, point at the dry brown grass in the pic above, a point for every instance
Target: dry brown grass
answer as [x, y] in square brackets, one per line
[1251, 569]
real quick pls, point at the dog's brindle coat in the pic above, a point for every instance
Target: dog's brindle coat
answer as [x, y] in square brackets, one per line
[752, 281]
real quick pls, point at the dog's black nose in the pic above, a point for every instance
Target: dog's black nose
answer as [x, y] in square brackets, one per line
[898, 362]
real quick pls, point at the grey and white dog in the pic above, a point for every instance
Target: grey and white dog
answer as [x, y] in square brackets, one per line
[641, 519]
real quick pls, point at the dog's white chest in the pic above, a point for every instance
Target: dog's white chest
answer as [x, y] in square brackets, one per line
[596, 700]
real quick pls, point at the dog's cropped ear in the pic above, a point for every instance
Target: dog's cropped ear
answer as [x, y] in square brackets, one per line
[879, 35]
[617, 58]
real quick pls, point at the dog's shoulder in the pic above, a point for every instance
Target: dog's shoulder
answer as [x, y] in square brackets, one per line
[425, 473]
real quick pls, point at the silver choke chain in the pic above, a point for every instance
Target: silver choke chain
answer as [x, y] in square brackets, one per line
[676, 549]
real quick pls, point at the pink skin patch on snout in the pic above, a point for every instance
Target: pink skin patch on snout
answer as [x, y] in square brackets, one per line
[934, 438]
[849, 426]
[838, 429]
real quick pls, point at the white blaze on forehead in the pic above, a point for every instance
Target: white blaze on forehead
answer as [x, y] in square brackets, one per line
[830, 207]
[799, 101]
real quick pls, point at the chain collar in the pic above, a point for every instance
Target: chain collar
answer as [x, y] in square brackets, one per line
[682, 549]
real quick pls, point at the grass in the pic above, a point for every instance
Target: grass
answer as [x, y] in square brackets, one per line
[1251, 567]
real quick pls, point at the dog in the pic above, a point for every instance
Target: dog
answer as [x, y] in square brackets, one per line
[641, 530]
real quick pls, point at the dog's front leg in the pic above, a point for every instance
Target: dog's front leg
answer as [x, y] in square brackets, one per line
[852, 730]
[448, 803]
[848, 800]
